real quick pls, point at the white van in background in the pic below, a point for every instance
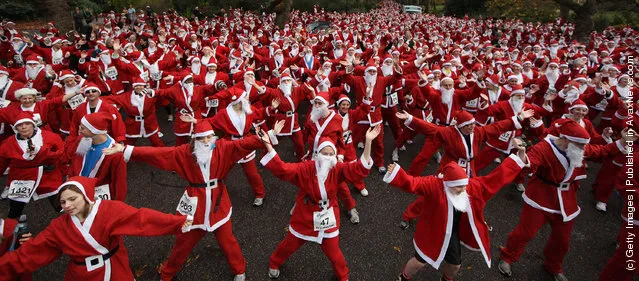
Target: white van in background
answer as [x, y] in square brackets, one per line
[410, 9]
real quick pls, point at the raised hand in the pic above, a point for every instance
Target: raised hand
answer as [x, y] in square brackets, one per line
[607, 132]
[402, 115]
[373, 132]
[278, 126]
[527, 114]
[275, 103]
[519, 144]
[391, 168]
[629, 135]
[188, 118]
[116, 148]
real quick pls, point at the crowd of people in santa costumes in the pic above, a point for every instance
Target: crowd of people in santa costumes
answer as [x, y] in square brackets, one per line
[73, 108]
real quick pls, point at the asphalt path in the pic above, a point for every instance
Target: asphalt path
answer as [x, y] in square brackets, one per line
[375, 249]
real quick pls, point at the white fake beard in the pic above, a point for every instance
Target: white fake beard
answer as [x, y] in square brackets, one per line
[612, 81]
[583, 88]
[246, 106]
[460, 202]
[325, 163]
[68, 90]
[286, 89]
[279, 59]
[552, 76]
[3, 81]
[370, 79]
[17, 46]
[202, 152]
[318, 112]
[189, 88]
[623, 91]
[327, 71]
[517, 104]
[32, 72]
[152, 49]
[196, 67]
[575, 155]
[84, 146]
[387, 70]
[56, 55]
[447, 96]
[571, 96]
[294, 51]
[106, 59]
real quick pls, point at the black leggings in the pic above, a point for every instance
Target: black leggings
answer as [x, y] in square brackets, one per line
[16, 207]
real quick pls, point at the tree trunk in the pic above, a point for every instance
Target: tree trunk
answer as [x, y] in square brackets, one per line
[564, 12]
[60, 13]
[283, 10]
[584, 24]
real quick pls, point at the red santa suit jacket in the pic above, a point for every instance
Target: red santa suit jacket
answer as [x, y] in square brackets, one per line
[359, 85]
[116, 129]
[99, 234]
[185, 104]
[444, 113]
[205, 197]
[40, 83]
[435, 224]
[287, 109]
[504, 110]
[141, 120]
[39, 168]
[330, 127]
[315, 196]
[553, 188]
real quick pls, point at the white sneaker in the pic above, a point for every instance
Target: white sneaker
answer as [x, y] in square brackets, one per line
[354, 216]
[360, 145]
[385, 124]
[170, 118]
[273, 273]
[258, 202]
[403, 148]
[364, 192]
[521, 187]
[395, 156]
[6, 172]
[409, 141]
[438, 157]
[382, 170]
[240, 277]
[5, 193]
[601, 206]
[497, 161]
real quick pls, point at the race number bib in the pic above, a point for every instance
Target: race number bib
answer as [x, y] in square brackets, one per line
[19, 189]
[57, 61]
[156, 76]
[472, 103]
[75, 101]
[102, 192]
[187, 205]
[111, 72]
[212, 103]
[429, 118]
[505, 137]
[324, 220]
[393, 99]
[4, 103]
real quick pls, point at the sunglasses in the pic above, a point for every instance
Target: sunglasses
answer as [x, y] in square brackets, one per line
[92, 91]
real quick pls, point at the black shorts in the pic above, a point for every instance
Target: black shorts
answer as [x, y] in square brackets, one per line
[453, 253]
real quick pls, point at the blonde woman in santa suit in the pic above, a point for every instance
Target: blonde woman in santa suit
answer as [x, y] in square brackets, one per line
[90, 233]
[316, 215]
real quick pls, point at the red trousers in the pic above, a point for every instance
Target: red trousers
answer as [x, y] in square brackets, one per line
[388, 114]
[184, 243]
[618, 269]
[344, 195]
[330, 247]
[604, 184]
[406, 135]
[531, 221]
[254, 178]
[377, 149]
[431, 145]
[414, 209]
[298, 144]
[154, 139]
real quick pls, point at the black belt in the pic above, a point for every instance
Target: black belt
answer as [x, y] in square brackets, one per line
[203, 185]
[422, 108]
[104, 257]
[563, 185]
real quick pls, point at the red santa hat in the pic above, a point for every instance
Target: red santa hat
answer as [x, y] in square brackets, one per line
[4, 70]
[212, 62]
[436, 68]
[193, 58]
[24, 116]
[135, 56]
[138, 81]
[454, 175]
[342, 98]
[446, 78]
[97, 123]
[464, 118]
[285, 76]
[202, 129]
[516, 63]
[326, 142]
[554, 61]
[572, 131]
[86, 186]
[513, 76]
[237, 95]
[92, 86]
[64, 74]
[581, 77]
[56, 40]
[577, 104]
[370, 66]
[24, 92]
[33, 59]
[248, 70]
[323, 97]
[493, 79]
[517, 89]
